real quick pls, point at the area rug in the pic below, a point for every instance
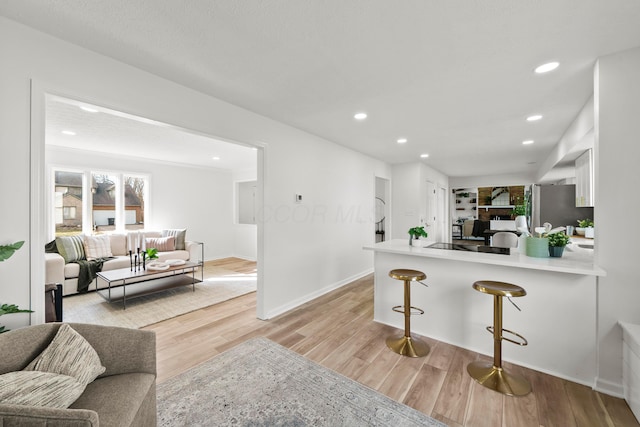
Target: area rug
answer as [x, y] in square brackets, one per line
[153, 308]
[260, 383]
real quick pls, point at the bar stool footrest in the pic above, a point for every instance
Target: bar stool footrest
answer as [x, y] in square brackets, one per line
[414, 311]
[520, 343]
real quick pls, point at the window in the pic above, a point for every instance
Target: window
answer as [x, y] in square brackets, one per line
[134, 197]
[104, 190]
[68, 202]
[68, 212]
[94, 202]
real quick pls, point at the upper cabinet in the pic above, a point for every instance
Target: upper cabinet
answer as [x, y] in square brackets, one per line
[584, 179]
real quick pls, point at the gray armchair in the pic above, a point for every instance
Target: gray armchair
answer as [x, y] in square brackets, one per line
[124, 395]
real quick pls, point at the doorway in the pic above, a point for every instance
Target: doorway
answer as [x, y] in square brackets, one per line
[435, 216]
[42, 182]
[382, 209]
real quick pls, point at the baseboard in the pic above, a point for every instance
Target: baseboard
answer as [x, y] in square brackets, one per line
[306, 298]
[219, 257]
[608, 387]
[246, 258]
[604, 387]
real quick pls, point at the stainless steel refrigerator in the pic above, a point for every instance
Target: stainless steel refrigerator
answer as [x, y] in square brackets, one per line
[556, 204]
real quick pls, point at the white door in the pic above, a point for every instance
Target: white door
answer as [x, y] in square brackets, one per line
[441, 215]
[430, 222]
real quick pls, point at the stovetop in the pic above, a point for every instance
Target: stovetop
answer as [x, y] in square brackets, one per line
[471, 248]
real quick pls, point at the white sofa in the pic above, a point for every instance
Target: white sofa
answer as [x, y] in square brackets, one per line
[57, 271]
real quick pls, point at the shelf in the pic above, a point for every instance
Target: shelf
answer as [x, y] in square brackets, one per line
[487, 207]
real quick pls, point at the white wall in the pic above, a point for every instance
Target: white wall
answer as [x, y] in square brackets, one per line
[489, 180]
[409, 195]
[577, 138]
[245, 235]
[306, 249]
[197, 199]
[617, 131]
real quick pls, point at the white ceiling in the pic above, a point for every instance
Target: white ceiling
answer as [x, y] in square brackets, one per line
[454, 77]
[112, 132]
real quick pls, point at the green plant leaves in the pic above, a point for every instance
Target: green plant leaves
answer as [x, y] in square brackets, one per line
[12, 308]
[7, 250]
[152, 253]
[418, 232]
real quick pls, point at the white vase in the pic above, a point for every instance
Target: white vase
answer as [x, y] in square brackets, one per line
[589, 233]
[521, 222]
[522, 243]
[417, 243]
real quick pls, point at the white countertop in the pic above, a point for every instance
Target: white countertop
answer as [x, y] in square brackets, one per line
[575, 260]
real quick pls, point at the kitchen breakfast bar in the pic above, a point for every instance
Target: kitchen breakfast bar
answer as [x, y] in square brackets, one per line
[559, 312]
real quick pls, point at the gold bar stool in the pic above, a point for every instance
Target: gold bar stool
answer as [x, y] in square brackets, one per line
[408, 345]
[493, 376]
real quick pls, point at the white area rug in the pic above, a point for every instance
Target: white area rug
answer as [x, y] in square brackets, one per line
[149, 309]
[261, 383]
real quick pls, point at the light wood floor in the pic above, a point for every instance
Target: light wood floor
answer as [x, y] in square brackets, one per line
[337, 331]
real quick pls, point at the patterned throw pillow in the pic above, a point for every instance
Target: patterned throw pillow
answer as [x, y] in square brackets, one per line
[34, 388]
[97, 247]
[179, 234]
[69, 354]
[162, 244]
[71, 247]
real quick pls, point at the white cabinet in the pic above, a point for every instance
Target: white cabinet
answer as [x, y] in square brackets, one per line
[584, 179]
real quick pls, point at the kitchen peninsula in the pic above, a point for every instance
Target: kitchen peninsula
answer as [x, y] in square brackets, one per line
[558, 315]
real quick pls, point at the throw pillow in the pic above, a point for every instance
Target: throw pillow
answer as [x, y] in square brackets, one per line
[97, 247]
[162, 244]
[179, 234]
[34, 388]
[69, 354]
[70, 247]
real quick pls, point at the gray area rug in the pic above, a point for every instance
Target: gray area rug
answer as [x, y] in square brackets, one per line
[260, 383]
[153, 308]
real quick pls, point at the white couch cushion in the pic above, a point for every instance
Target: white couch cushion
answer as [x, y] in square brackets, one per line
[97, 247]
[118, 244]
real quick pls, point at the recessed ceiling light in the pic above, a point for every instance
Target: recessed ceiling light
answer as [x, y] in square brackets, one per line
[534, 118]
[424, 156]
[527, 142]
[88, 109]
[216, 158]
[68, 132]
[360, 116]
[402, 140]
[545, 68]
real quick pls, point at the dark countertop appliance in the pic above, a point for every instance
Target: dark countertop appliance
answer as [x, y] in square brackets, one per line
[471, 248]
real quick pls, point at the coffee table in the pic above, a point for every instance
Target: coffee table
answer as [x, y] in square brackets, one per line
[124, 283]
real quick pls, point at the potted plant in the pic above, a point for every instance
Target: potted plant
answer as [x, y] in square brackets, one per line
[5, 253]
[557, 242]
[583, 224]
[151, 253]
[414, 235]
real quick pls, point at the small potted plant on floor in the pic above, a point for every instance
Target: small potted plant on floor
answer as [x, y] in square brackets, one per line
[557, 243]
[414, 235]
